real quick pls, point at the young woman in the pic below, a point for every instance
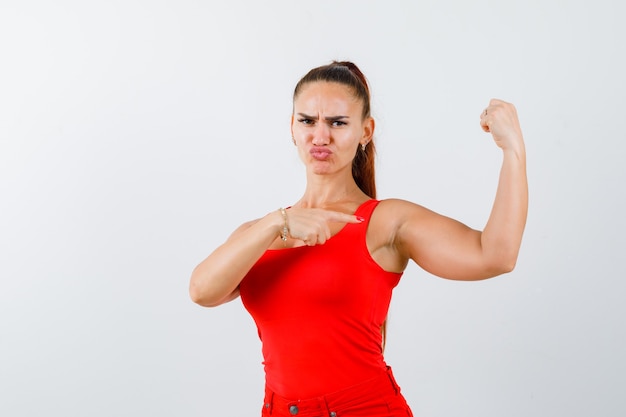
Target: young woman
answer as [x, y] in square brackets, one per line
[317, 277]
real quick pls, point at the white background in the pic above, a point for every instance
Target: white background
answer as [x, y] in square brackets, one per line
[135, 136]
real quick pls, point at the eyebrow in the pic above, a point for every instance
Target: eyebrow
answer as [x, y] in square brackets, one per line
[330, 118]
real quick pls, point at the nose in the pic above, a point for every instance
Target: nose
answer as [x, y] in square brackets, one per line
[321, 134]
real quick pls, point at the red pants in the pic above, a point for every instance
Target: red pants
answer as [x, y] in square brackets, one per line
[377, 397]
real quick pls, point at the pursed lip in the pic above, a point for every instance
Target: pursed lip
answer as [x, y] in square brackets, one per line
[320, 152]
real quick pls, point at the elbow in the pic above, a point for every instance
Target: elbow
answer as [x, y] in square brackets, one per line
[499, 257]
[201, 294]
[510, 266]
[509, 260]
[196, 296]
[502, 265]
[200, 298]
[506, 267]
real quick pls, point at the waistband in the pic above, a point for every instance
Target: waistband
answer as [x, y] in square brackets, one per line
[368, 394]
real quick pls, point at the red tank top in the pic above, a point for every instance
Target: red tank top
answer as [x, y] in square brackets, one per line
[319, 311]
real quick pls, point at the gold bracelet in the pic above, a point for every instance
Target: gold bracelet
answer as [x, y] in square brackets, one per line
[285, 231]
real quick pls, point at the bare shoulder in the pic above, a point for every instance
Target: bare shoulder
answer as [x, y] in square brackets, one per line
[395, 215]
[385, 231]
[402, 214]
[399, 204]
[395, 211]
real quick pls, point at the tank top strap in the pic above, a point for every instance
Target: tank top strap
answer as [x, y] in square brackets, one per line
[366, 209]
[354, 234]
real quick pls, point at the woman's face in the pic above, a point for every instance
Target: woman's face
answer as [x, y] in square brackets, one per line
[327, 126]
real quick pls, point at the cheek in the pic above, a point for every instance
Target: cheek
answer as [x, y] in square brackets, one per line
[299, 139]
[300, 133]
[301, 148]
[296, 135]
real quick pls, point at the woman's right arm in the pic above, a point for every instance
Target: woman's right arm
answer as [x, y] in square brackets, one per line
[216, 280]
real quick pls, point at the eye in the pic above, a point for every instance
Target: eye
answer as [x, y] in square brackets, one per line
[338, 123]
[305, 121]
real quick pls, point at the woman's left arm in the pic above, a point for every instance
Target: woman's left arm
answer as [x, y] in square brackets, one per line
[452, 250]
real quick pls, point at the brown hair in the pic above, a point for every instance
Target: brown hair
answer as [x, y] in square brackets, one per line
[348, 74]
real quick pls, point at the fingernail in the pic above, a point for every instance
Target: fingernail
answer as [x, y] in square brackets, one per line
[361, 219]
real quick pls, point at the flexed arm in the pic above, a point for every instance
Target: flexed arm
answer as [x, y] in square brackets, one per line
[450, 249]
[502, 236]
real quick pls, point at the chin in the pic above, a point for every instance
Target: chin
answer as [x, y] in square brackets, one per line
[319, 171]
[318, 168]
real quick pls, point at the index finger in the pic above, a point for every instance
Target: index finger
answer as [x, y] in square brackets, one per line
[339, 217]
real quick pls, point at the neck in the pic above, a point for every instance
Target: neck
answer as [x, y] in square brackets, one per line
[322, 192]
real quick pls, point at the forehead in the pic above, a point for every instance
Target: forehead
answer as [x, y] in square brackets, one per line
[327, 96]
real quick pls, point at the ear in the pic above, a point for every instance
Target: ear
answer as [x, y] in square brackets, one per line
[291, 128]
[368, 130]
